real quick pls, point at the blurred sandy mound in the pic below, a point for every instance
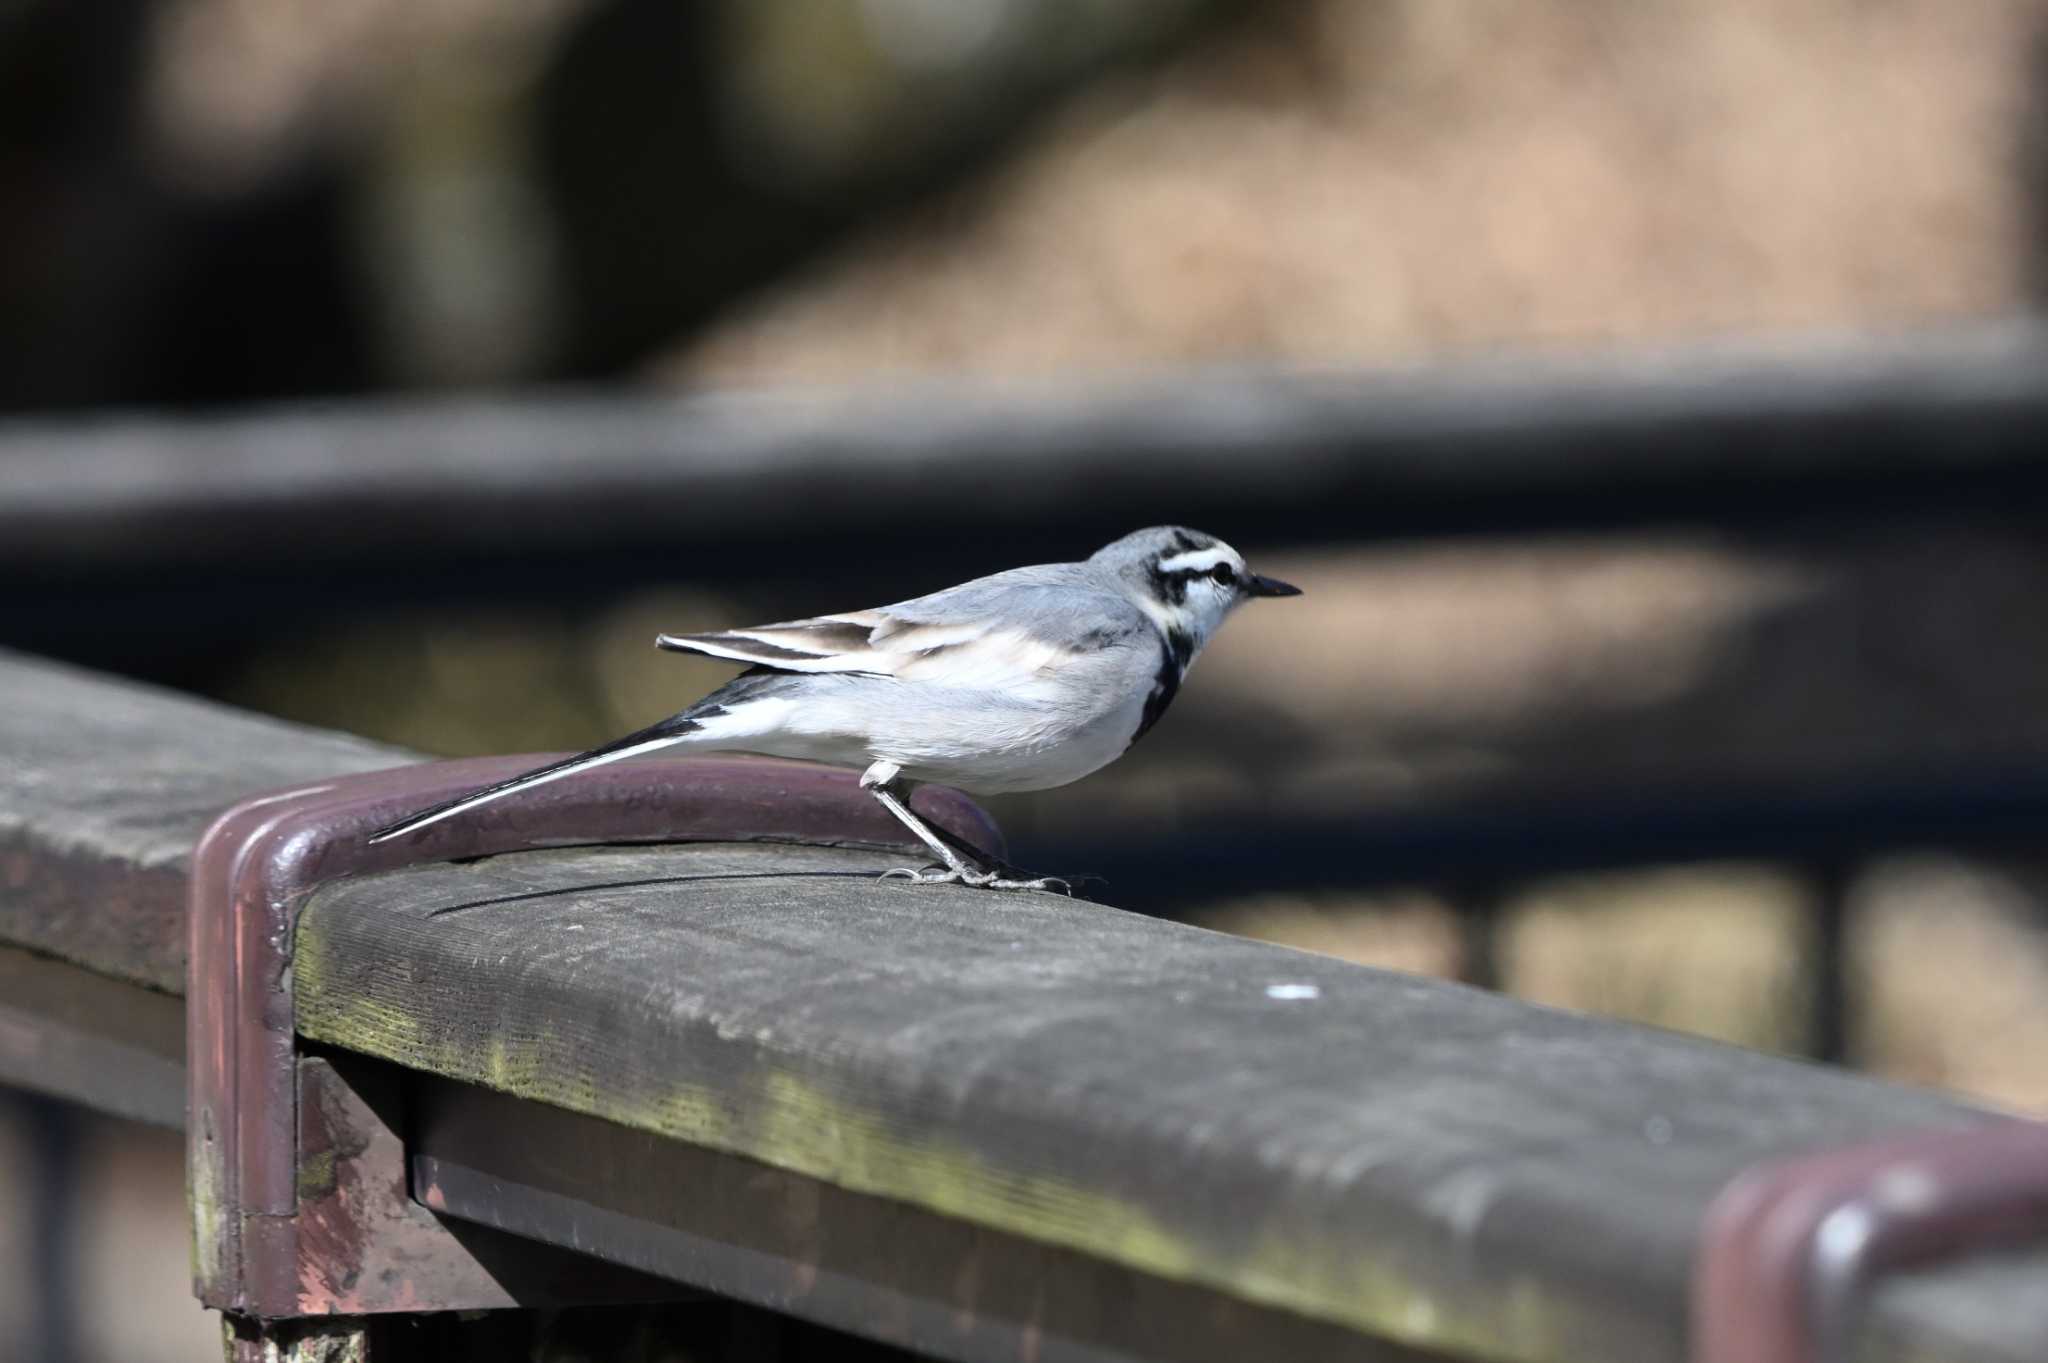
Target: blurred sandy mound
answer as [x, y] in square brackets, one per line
[1333, 181]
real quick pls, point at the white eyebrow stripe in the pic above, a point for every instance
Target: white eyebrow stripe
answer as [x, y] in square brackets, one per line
[1197, 560]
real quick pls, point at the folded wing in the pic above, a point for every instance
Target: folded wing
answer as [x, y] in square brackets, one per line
[829, 643]
[1006, 631]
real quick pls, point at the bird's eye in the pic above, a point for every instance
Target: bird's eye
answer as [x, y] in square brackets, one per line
[1223, 574]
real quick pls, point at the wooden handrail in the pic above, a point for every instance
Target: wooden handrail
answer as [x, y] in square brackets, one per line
[953, 1118]
[1263, 1131]
[106, 785]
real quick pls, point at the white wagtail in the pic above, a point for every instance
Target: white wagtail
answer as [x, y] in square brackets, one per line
[1022, 681]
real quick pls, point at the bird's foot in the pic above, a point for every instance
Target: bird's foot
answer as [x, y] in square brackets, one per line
[1035, 883]
[1008, 878]
[930, 875]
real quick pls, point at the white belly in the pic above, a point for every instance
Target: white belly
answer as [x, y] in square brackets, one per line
[1038, 763]
[983, 743]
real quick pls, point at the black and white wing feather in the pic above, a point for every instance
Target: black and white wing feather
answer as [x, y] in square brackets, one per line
[828, 643]
[995, 632]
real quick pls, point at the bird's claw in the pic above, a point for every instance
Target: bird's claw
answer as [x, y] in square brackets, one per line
[930, 875]
[1035, 883]
[987, 880]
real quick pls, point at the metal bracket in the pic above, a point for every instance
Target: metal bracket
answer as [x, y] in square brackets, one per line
[1789, 1248]
[273, 1236]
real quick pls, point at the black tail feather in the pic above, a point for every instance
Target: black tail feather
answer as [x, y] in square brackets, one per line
[675, 727]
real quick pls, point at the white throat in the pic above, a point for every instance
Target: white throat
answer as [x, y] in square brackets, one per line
[1181, 622]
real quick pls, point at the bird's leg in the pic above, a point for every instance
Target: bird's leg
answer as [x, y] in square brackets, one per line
[880, 781]
[957, 868]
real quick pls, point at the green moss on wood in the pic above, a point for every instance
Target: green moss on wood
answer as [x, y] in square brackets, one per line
[315, 1176]
[202, 1200]
[790, 1123]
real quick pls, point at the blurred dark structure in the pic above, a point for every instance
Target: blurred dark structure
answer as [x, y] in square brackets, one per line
[128, 280]
[660, 219]
[116, 287]
[657, 227]
[656, 168]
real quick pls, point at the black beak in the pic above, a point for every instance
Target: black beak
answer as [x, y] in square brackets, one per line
[1254, 585]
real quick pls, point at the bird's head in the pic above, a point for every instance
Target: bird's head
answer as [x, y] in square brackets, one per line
[1185, 580]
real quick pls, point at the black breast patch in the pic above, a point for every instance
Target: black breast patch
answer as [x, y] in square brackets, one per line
[1173, 665]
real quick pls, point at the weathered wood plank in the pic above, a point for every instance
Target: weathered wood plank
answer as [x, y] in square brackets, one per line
[105, 787]
[880, 1267]
[1987, 1309]
[1427, 1163]
[72, 1034]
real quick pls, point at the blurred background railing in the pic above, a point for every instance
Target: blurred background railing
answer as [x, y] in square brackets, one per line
[1647, 397]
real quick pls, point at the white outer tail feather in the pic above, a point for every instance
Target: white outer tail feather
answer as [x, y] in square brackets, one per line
[519, 783]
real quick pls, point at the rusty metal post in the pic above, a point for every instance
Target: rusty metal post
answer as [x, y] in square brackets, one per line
[247, 1339]
[297, 1178]
[1789, 1247]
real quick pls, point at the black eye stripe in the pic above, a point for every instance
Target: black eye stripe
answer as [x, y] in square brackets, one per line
[1169, 587]
[1171, 584]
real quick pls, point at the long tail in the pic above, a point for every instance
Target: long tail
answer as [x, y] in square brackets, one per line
[654, 737]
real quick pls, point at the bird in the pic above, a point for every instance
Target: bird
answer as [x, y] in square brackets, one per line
[1024, 680]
